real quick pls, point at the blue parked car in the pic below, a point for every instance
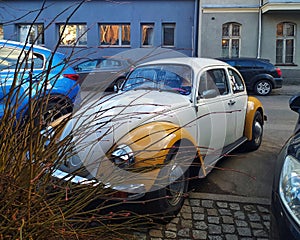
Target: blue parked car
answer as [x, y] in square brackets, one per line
[30, 73]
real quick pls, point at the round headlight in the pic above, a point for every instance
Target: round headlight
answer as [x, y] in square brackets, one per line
[123, 156]
[290, 186]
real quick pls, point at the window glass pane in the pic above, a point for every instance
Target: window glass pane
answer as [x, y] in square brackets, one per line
[235, 48]
[147, 34]
[126, 35]
[236, 81]
[73, 34]
[290, 29]
[168, 35]
[9, 58]
[115, 34]
[279, 31]
[34, 32]
[225, 48]
[279, 51]
[235, 30]
[289, 54]
[225, 30]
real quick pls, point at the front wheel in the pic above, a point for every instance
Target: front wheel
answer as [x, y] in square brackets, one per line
[257, 133]
[167, 201]
[263, 88]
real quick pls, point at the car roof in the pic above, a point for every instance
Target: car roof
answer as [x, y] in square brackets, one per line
[194, 62]
[27, 46]
[243, 59]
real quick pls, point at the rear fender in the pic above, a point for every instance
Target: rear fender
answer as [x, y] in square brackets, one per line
[253, 106]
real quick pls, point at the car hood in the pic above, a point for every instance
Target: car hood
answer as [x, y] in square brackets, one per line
[99, 124]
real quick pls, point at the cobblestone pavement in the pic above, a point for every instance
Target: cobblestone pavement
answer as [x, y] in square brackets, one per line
[216, 217]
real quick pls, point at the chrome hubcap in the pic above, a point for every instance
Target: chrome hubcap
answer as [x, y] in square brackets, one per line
[177, 185]
[263, 88]
[257, 132]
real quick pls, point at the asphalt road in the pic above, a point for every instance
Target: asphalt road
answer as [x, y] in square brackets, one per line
[251, 174]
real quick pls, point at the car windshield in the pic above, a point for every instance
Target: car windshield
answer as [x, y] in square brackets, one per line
[166, 77]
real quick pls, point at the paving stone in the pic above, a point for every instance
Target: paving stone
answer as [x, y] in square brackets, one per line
[200, 225]
[156, 233]
[231, 237]
[250, 208]
[245, 232]
[254, 217]
[256, 225]
[185, 232]
[266, 217]
[207, 203]
[187, 223]
[171, 227]
[170, 234]
[195, 202]
[197, 234]
[215, 238]
[198, 217]
[239, 215]
[241, 223]
[214, 229]
[186, 215]
[222, 204]
[227, 219]
[197, 209]
[263, 209]
[226, 212]
[212, 212]
[260, 233]
[228, 228]
[186, 209]
[234, 206]
[215, 220]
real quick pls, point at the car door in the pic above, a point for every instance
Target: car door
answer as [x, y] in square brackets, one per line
[240, 101]
[215, 113]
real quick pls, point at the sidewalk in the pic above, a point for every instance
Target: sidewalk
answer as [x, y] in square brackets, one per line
[216, 217]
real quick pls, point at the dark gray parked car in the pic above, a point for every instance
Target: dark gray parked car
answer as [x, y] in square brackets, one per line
[260, 75]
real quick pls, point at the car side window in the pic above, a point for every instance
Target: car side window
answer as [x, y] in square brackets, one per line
[87, 66]
[237, 83]
[213, 83]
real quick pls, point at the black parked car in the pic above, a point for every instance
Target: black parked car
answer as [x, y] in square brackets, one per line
[285, 206]
[260, 75]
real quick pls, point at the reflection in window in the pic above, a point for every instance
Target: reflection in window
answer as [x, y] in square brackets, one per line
[168, 35]
[115, 34]
[1, 32]
[231, 39]
[147, 34]
[285, 43]
[73, 34]
[31, 33]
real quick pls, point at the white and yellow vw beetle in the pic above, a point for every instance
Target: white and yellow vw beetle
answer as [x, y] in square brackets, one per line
[171, 120]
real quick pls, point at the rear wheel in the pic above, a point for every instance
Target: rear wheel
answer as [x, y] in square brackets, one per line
[263, 87]
[257, 133]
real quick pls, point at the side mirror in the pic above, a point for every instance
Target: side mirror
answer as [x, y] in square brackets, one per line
[295, 103]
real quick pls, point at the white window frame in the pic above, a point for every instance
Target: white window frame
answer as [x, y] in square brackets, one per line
[116, 35]
[1, 32]
[230, 38]
[284, 38]
[73, 34]
[36, 34]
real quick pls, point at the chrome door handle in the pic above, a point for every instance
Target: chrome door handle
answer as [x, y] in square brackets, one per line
[231, 102]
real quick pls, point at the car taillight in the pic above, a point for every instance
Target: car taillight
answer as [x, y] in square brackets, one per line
[71, 76]
[278, 70]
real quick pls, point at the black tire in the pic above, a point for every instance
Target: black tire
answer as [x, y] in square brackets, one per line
[263, 88]
[257, 133]
[166, 202]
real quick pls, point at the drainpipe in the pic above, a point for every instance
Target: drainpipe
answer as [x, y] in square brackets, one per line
[259, 30]
[195, 30]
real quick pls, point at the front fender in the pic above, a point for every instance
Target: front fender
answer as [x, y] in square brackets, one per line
[151, 142]
[253, 106]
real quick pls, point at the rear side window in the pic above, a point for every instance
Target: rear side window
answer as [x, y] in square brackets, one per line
[236, 81]
[9, 57]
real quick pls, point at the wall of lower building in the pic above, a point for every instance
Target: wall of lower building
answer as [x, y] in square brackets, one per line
[211, 33]
[93, 13]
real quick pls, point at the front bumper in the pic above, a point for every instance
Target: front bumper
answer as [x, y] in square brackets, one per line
[284, 224]
[130, 191]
